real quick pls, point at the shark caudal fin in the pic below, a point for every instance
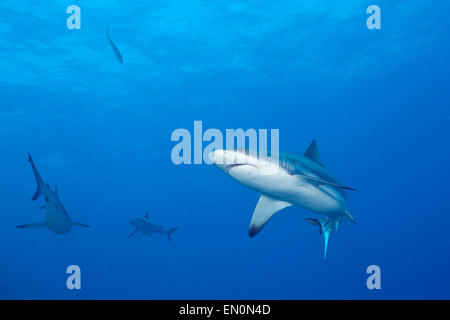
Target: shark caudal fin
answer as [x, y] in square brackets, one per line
[37, 176]
[169, 233]
[326, 226]
[326, 236]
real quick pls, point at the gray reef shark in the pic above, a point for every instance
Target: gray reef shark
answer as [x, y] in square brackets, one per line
[56, 217]
[114, 47]
[290, 180]
[146, 227]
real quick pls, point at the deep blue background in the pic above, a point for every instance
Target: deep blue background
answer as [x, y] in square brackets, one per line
[376, 101]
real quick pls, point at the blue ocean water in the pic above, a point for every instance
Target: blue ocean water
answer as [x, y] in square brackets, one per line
[376, 101]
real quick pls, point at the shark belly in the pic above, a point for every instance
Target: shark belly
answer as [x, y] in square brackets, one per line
[319, 199]
[57, 220]
[285, 187]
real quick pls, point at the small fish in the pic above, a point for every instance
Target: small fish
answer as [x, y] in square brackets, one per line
[114, 47]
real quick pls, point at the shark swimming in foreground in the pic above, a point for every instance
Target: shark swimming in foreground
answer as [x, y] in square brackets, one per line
[114, 47]
[56, 217]
[292, 180]
[146, 227]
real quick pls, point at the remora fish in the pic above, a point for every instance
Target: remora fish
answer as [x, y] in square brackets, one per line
[56, 218]
[146, 227]
[114, 47]
[295, 180]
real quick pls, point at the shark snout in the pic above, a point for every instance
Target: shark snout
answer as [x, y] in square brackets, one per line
[233, 161]
[224, 159]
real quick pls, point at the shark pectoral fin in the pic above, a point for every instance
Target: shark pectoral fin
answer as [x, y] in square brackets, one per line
[264, 210]
[321, 181]
[32, 225]
[133, 233]
[77, 224]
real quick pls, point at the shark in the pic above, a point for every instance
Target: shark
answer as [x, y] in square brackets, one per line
[146, 227]
[285, 179]
[114, 48]
[56, 218]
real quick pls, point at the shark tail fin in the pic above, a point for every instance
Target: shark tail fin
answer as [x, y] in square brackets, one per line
[326, 236]
[326, 226]
[169, 233]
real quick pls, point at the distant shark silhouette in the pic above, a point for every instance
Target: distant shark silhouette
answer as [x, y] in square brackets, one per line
[292, 180]
[146, 227]
[56, 217]
[114, 47]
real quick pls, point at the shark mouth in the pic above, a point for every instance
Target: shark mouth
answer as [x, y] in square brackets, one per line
[231, 166]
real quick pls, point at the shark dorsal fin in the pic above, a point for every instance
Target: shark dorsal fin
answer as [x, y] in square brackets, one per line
[313, 153]
[146, 215]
